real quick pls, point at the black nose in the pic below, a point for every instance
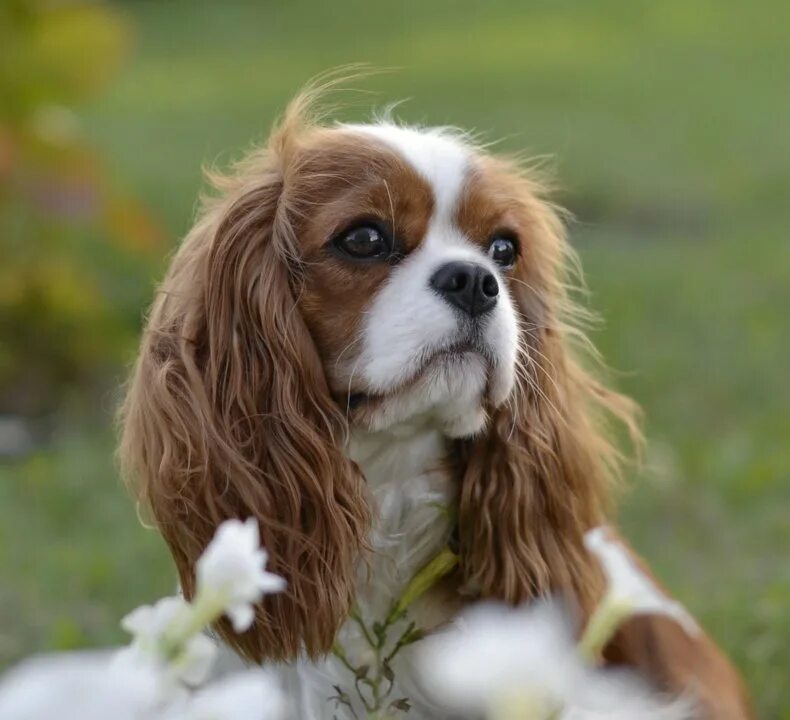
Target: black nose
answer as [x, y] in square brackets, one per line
[467, 286]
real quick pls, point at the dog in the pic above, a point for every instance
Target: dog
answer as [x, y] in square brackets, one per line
[367, 343]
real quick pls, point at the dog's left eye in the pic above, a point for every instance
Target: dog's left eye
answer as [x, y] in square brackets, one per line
[502, 251]
[365, 242]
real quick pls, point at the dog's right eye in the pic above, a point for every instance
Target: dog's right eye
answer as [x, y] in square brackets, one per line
[364, 242]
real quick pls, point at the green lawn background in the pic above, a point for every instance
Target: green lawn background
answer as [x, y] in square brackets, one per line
[669, 127]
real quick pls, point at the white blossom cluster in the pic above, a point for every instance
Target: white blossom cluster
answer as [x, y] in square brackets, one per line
[495, 662]
[162, 673]
[524, 664]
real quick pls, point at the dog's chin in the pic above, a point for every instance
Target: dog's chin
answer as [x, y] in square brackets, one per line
[451, 392]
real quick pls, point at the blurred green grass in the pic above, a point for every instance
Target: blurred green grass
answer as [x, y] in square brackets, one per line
[668, 122]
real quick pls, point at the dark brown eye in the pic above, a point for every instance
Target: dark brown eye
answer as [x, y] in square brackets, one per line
[365, 242]
[503, 252]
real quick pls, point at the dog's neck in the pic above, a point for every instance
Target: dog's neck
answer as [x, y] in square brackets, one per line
[412, 496]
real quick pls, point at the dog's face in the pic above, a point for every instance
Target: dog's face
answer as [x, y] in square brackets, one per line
[412, 242]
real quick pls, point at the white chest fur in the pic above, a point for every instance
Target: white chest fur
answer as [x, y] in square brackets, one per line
[411, 495]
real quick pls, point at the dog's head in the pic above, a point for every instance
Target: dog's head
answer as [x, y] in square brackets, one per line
[367, 276]
[409, 243]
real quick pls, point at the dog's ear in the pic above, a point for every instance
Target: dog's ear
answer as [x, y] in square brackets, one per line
[228, 414]
[536, 480]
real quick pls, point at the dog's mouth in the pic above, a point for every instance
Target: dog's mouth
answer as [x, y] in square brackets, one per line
[471, 345]
[454, 352]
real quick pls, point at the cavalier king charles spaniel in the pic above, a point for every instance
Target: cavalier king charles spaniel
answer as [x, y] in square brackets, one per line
[367, 343]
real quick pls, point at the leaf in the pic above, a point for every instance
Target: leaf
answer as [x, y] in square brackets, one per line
[413, 636]
[387, 672]
[401, 704]
[342, 696]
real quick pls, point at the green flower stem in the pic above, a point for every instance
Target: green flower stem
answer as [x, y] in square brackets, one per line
[355, 616]
[375, 675]
[409, 636]
[426, 578]
[204, 609]
[602, 626]
[339, 653]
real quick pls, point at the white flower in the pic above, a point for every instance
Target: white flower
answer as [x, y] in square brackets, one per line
[148, 623]
[189, 660]
[522, 664]
[496, 652]
[629, 589]
[77, 686]
[248, 695]
[191, 664]
[92, 686]
[233, 568]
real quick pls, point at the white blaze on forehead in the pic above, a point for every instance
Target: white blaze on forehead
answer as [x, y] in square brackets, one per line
[434, 153]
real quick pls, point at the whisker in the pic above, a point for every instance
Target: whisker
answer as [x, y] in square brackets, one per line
[535, 386]
[355, 340]
[348, 389]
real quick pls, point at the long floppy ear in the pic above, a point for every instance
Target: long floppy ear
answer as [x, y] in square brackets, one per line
[537, 479]
[228, 414]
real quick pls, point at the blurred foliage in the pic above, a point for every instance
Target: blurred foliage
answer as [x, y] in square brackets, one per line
[74, 246]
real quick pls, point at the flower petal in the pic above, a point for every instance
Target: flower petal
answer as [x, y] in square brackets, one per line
[494, 650]
[241, 616]
[249, 695]
[271, 583]
[628, 585]
[197, 660]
